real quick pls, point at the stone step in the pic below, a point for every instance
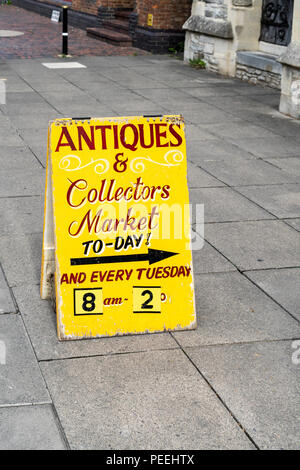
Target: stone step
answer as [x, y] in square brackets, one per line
[116, 25]
[110, 36]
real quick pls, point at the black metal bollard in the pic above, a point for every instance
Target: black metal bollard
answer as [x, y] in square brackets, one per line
[65, 30]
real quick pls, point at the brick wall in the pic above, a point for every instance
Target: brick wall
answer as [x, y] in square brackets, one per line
[91, 6]
[167, 14]
[118, 3]
[86, 6]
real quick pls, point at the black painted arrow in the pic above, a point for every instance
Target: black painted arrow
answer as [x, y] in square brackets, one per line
[153, 256]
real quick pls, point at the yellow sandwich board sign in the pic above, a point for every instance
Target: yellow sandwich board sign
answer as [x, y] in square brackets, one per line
[117, 227]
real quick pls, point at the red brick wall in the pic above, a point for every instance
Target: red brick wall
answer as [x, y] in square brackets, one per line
[119, 3]
[167, 14]
[91, 6]
[86, 6]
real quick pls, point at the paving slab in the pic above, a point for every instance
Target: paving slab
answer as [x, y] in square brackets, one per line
[34, 135]
[209, 260]
[10, 137]
[3, 283]
[277, 147]
[295, 223]
[284, 126]
[36, 121]
[6, 302]
[225, 204]
[247, 172]
[280, 200]
[234, 104]
[260, 385]
[40, 321]
[20, 256]
[195, 133]
[214, 150]
[24, 110]
[205, 91]
[231, 309]
[15, 85]
[169, 407]
[40, 152]
[22, 182]
[20, 98]
[290, 164]
[268, 99]
[235, 128]
[198, 178]
[21, 381]
[18, 158]
[256, 245]
[283, 285]
[20, 215]
[30, 428]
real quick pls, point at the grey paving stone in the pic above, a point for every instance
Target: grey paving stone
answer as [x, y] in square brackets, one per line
[198, 178]
[231, 309]
[168, 96]
[50, 85]
[235, 128]
[17, 158]
[21, 381]
[35, 136]
[3, 283]
[247, 172]
[20, 97]
[260, 385]
[14, 85]
[20, 215]
[27, 111]
[284, 126]
[136, 82]
[169, 407]
[202, 115]
[268, 99]
[224, 205]
[40, 152]
[277, 147]
[290, 164]
[22, 183]
[258, 92]
[295, 223]
[234, 104]
[36, 121]
[138, 106]
[29, 428]
[203, 92]
[40, 321]
[6, 302]
[209, 260]
[283, 285]
[10, 137]
[281, 200]
[20, 256]
[214, 150]
[194, 132]
[256, 245]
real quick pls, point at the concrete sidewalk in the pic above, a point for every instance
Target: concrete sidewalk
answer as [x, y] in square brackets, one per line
[231, 384]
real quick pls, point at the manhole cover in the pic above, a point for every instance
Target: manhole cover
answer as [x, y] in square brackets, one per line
[6, 33]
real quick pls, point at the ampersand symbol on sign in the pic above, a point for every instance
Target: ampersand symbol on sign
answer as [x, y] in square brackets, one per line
[120, 165]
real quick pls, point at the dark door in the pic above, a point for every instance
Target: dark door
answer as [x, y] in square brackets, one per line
[276, 21]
